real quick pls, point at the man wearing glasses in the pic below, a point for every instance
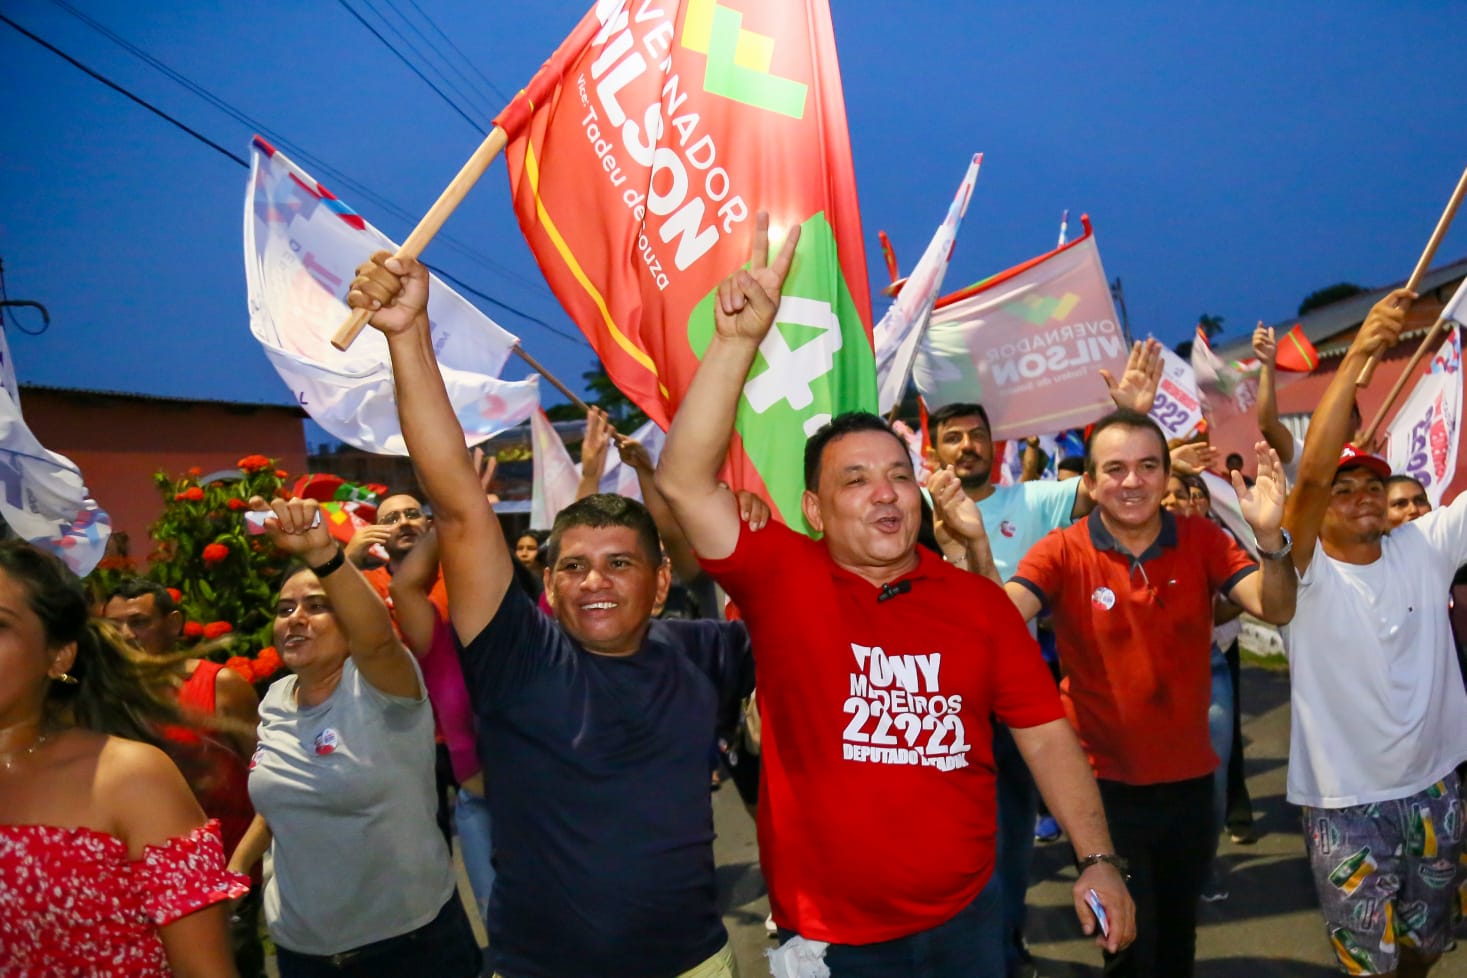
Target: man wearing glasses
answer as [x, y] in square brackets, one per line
[1131, 588]
[401, 523]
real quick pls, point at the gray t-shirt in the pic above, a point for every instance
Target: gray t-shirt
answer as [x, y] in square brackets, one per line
[347, 789]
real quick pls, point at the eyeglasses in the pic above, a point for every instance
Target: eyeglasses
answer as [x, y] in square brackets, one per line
[394, 518]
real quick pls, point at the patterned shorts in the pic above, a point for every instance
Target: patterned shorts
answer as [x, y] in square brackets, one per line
[1389, 875]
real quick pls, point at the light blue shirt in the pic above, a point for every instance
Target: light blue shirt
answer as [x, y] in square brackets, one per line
[1017, 516]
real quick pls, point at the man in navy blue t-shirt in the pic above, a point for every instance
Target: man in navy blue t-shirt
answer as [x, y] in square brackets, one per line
[594, 727]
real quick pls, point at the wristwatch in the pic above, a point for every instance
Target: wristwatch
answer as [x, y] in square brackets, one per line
[1119, 862]
[1281, 552]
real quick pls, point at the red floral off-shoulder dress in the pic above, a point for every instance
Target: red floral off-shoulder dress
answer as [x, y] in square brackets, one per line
[72, 903]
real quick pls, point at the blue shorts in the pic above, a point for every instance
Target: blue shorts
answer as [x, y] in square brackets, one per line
[1389, 875]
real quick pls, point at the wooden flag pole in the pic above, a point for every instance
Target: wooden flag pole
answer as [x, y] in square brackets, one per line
[535, 366]
[1368, 371]
[432, 223]
[1433, 336]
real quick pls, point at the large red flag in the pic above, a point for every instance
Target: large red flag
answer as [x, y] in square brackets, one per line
[638, 157]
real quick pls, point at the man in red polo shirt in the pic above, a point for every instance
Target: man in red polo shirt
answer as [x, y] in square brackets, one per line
[1131, 590]
[879, 669]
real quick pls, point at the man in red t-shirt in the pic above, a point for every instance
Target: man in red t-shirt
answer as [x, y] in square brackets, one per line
[1130, 590]
[879, 669]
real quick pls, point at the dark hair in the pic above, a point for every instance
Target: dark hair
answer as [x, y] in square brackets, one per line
[607, 509]
[947, 412]
[539, 536]
[838, 427]
[137, 587]
[1126, 418]
[1400, 478]
[1231, 456]
[119, 690]
[1198, 483]
[1070, 463]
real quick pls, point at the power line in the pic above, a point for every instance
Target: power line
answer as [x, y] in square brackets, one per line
[358, 189]
[473, 98]
[245, 163]
[118, 88]
[413, 68]
[504, 99]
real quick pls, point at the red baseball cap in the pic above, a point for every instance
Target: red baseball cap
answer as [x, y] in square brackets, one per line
[1352, 456]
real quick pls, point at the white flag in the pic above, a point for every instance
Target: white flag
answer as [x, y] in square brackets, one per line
[302, 246]
[897, 334]
[42, 497]
[556, 477]
[1426, 431]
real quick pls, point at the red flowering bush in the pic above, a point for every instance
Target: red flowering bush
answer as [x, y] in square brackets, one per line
[175, 594]
[217, 573]
[245, 667]
[254, 463]
[217, 628]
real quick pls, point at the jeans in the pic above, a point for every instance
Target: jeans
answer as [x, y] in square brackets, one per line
[444, 948]
[1167, 834]
[1018, 806]
[471, 815]
[1220, 732]
[967, 946]
[1240, 803]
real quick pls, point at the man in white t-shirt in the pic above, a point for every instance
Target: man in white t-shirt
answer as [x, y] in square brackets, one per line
[1379, 714]
[1015, 517]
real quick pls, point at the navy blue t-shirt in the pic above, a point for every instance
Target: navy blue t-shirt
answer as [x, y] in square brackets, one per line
[596, 773]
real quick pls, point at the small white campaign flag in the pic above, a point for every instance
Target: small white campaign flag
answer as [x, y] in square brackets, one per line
[302, 246]
[899, 331]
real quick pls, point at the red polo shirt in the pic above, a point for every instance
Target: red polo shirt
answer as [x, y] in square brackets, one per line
[876, 801]
[1134, 636]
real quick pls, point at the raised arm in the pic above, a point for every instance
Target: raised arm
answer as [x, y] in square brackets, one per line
[593, 452]
[1330, 425]
[415, 575]
[687, 473]
[296, 528]
[1135, 391]
[1279, 438]
[1270, 593]
[959, 527]
[477, 565]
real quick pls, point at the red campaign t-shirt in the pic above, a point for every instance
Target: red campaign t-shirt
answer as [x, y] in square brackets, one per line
[1135, 641]
[876, 814]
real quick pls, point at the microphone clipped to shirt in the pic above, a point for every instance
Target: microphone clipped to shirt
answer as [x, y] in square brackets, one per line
[889, 591]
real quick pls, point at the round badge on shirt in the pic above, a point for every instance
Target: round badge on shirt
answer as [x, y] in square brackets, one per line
[257, 757]
[1007, 529]
[1103, 598]
[327, 741]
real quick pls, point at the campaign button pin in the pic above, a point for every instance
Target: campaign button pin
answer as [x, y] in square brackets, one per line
[1007, 529]
[326, 741]
[1103, 598]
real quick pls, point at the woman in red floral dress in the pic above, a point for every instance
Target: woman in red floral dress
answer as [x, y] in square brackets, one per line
[107, 866]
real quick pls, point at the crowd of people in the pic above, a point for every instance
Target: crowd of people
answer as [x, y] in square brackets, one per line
[942, 666]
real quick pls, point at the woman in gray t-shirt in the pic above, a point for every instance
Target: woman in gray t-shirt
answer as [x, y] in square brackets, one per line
[343, 781]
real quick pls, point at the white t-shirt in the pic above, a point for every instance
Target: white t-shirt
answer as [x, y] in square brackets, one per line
[1291, 467]
[1379, 711]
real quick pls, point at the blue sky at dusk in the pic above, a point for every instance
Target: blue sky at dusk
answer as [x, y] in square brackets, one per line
[1233, 157]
